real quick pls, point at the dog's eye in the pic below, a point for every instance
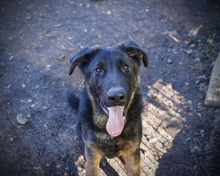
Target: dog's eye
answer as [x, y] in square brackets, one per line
[99, 70]
[125, 67]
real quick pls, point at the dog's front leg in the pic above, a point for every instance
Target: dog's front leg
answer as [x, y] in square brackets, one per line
[132, 163]
[92, 162]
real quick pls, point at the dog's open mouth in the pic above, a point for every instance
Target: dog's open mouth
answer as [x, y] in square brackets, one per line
[116, 119]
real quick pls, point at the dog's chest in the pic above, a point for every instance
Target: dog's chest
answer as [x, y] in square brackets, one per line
[113, 148]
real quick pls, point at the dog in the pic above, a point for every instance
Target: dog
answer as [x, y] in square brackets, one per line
[109, 106]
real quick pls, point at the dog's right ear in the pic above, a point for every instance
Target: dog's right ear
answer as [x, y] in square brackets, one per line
[82, 58]
[134, 51]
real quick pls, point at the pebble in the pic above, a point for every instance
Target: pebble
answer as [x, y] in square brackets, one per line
[79, 168]
[151, 95]
[202, 133]
[170, 86]
[45, 107]
[22, 120]
[11, 57]
[58, 25]
[8, 87]
[195, 166]
[11, 139]
[58, 166]
[190, 102]
[188, 139]
[196, 60]
[169, 61]
[108, 12]
[149, 87]
[153, 140]
[50, 36]
[193, 150]
[28, 18]
[199, 114]
[192, 45]
[202, 77]
[185, 108]
[61, 58]
[189, 51]
[198, 81]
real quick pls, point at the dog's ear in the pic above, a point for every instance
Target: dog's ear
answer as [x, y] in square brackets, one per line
[134, 51]
[82, 58]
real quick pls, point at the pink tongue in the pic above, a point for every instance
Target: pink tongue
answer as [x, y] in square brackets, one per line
[115, 124]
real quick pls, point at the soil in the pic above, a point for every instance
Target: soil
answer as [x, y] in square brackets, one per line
[37, 39]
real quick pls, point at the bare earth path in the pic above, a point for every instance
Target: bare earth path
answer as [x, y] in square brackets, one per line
[37, 39]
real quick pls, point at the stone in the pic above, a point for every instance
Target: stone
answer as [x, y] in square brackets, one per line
[62, 57]
[152, 140]
[169, 61]
[28, 18]
[22, 120]
[192, 45]
[11, 139]
[189, 51]
[170, 86]
[187, 84]
[108, 12]
[45, 107]
[151, 95]
[213, 93]
[196, 60]
[202, 133]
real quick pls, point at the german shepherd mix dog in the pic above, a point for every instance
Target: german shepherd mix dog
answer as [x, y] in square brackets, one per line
[110, 105]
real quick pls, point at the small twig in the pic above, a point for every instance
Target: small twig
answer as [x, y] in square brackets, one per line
[174, 38]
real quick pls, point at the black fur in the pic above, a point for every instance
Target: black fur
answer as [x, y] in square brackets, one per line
[107, 70]
[73, 100]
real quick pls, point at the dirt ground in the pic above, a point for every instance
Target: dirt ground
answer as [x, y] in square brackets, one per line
[37, 39]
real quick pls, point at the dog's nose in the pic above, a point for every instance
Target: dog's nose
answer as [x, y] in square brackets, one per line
[116, 96]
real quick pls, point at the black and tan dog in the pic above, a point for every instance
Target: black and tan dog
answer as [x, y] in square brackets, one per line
[109, 107]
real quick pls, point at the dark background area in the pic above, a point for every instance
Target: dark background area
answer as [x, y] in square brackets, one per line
[37, 39]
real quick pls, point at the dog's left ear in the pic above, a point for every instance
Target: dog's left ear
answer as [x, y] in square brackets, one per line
[134, 51]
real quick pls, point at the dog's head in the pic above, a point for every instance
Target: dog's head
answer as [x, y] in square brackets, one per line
[112, 77]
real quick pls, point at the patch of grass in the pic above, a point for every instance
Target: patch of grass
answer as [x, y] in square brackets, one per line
[213, 47]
